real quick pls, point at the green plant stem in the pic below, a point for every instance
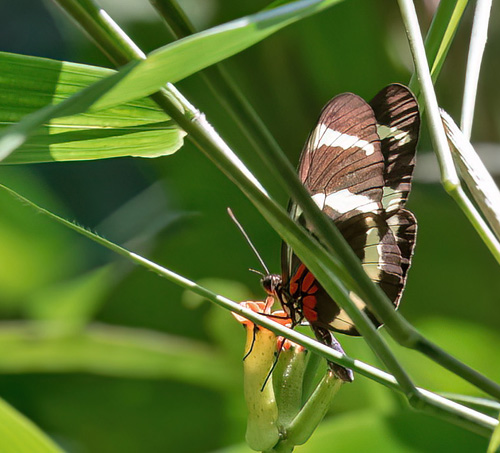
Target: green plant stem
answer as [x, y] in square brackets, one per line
[225, 91]
[480, 183]
[478, 39]
[439, 38]
[428, 401]
[452, 185]
[178, 23]
[483, 403]
[451, 11]
[325, 267]
[229, 95]
[108, 36]
[436, 129]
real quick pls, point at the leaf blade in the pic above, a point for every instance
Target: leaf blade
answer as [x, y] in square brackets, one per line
[27, 84]
[168, 64]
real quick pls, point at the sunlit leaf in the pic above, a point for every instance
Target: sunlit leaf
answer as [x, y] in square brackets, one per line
[19, 435]
[27, 84]
[168, 64]
[440, 36]
[494, 445]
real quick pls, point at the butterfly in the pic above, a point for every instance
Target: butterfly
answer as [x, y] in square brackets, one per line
[357, 164]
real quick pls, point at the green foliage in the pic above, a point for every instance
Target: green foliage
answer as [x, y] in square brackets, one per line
[138, 128]
[105, 358]
[141, 78]
[19, 435]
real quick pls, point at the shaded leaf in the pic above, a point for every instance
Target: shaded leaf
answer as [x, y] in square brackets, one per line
[38, 347]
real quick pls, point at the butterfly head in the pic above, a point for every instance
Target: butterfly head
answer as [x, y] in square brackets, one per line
[272, 284]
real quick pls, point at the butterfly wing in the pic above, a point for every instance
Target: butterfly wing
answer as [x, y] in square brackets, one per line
[341, 165]
[348, 172]
[398, 125]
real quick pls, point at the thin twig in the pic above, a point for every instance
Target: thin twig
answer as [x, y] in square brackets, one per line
[438, 136]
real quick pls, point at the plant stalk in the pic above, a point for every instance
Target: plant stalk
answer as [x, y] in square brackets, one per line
[428, 402]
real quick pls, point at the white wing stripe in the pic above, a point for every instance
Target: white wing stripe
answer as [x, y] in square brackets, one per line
[323, 135]
[344, 201]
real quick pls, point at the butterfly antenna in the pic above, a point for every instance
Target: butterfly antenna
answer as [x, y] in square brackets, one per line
[255, 271]
[245, 235]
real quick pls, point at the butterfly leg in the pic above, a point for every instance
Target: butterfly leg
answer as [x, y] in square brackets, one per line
[326, 337]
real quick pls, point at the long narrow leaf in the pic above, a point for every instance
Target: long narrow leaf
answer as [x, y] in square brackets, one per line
[42, 347]
[440, 36]
[19, 435]
[168, 64]
[27, 84]
[479, 181]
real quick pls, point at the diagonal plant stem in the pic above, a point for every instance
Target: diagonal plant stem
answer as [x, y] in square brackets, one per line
[209, 142]
[452, 10]
[478, 39]
[227, 92]
[449, 177]
[325, 267]
[428, 401]
[439, 38]
[480, 183]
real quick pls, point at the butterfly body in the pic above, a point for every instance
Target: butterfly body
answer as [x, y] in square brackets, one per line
[357, 165]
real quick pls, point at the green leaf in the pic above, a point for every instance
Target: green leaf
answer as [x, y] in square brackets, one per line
[41, 347]
[494, 445]
[20, 435]
[187, 56]
[27, 84]
[314, 410]
[440, 36]
[167, 64]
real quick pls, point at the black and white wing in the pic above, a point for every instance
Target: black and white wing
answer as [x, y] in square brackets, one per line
[357, 164]
[398, 124]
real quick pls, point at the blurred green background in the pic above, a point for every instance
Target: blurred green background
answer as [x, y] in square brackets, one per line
[107, 357]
